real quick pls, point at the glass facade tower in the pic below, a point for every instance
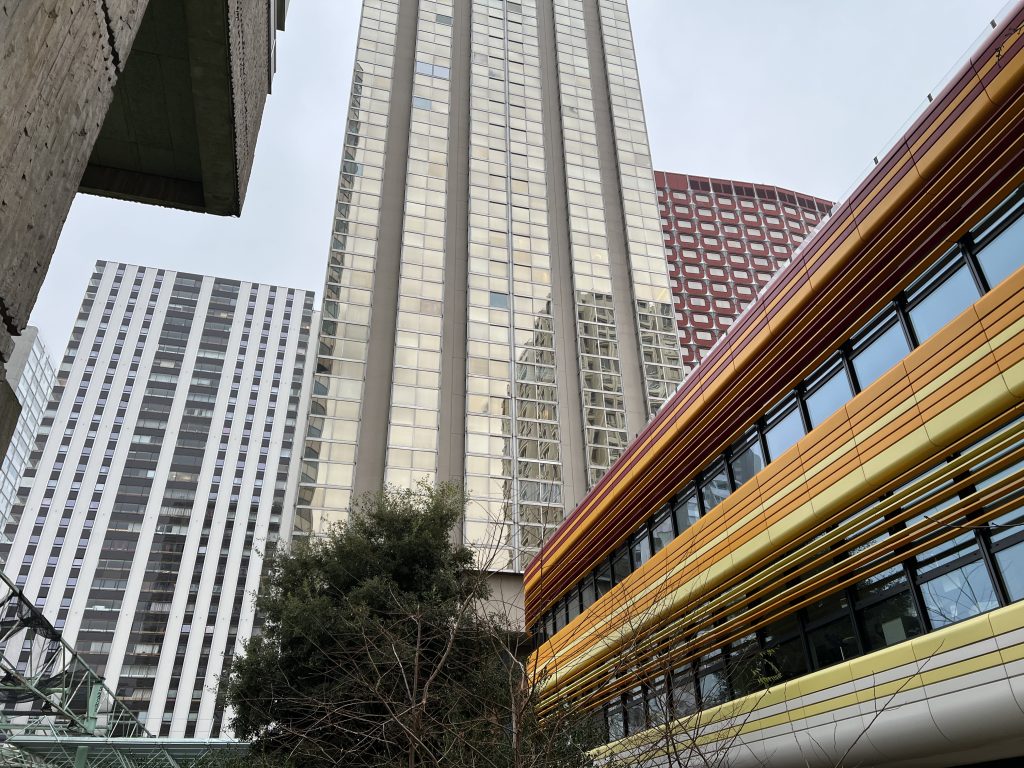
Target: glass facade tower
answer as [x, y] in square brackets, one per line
[496, 308]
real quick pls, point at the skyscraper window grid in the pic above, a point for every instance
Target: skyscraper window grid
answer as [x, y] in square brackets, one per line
[35, 376]
[329, 453]
[538, 312]
[661, 365]
[604, 404]
[512, 432]
[413, 434]
[160, 536]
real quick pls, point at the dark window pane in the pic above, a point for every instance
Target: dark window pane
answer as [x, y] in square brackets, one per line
[587, 592]
[684, 697]
[685, 511]
[572, 600]
[945, 301]
[714, 688]
[746, 666]
[1011, 565]
[620, 565]
[714, 488]
[958, 595]
[559, 615]
[785, 661]
[1004, 254]
[829, 397]
[635, 720]
[833, 643]
[1008, 524]
[963, 547]
[641, 548]
[657, 702]
[880, 355]
[603, 579]
[781, 629]
[549, 624]
[890, 621]
[783, 434]
[747, 463]
[890, 580]
[827, 607]
[662, 532]
[616, 721]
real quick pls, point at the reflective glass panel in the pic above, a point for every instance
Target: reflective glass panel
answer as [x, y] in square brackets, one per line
[685, 511]
[958, 595]
[616, 722]
[786, 660]
[1011, 565]
[880, 355]
[714, 687]
[1004, 254]
[747, 463]
[620, 565]
[641, 548]
[603, 579]
[945, 301]
[587, 592]
[890, 621]
[684, 697]
[635, 720]
[782, 435]
[833, 643]
[657, 702]
[714, 488]
[661, 531]
[828, 398]
[573, 602]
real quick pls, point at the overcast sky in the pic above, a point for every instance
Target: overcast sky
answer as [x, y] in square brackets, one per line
[798, 93]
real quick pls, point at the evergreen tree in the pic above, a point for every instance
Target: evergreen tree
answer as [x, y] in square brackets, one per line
[377, 650]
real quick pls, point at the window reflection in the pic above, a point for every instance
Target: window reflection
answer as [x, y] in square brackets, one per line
[685, 511]
[641, 548]
[620, 565]
[784, 433]
[881, 354]
[1011, 565]
[747, 463]
[715, 488]
[1003, 255]
[946, 300]
[890, 621]
[662, 531]
[958, 595]
[833, 643]
[684, 696]
[828, 397]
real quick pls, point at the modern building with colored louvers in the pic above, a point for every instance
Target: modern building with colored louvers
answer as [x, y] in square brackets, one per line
[160, 479]
[724, 240]
[814, 554]
[496, 306]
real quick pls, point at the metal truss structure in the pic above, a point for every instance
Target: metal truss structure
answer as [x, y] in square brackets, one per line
[55, 711]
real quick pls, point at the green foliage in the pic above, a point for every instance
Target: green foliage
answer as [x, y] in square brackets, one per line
[376, 650]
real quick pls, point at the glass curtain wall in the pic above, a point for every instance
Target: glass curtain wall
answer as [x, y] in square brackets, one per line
[334, 415]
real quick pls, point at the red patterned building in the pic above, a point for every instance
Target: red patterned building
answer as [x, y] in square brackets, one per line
[724, 240]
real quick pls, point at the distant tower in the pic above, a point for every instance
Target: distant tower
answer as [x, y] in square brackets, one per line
[31, 375]
[496, 308]
[162, 479]
[724, 240]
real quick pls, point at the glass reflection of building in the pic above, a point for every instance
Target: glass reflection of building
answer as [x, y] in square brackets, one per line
[517, 328]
